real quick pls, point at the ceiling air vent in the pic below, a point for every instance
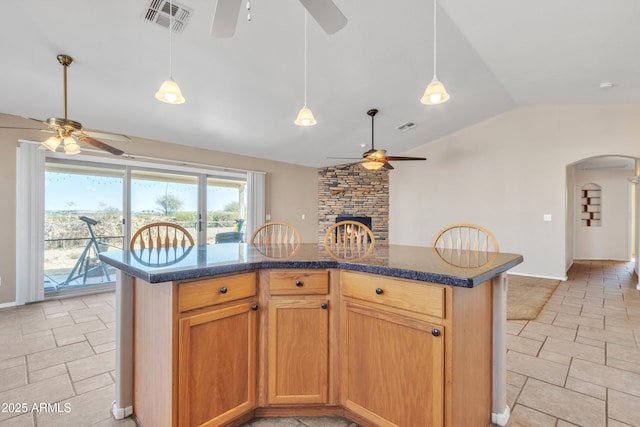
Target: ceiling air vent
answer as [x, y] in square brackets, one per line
[157, 11]
[406, 126]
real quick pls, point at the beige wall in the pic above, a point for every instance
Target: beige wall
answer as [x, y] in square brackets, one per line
[505, 174]
[290, 189]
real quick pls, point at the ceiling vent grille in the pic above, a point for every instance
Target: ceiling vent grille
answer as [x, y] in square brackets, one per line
[157, 11]
[406, 126]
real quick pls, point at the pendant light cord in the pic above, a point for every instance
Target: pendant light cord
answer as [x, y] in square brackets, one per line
[305, 57]
[434, 39]
[170, 31]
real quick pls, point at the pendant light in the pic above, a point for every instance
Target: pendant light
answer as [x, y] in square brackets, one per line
[169, 91]
[305, 116]
[435, 92]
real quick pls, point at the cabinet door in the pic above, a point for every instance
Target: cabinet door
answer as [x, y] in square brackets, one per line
[217, 365]
[298, 342]
[393, 368]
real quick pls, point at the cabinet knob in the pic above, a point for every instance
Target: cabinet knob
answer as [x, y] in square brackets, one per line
[379, 291]
[254, 307]
[223, 290]
[435, 332]
[324, 306]
[299, 283]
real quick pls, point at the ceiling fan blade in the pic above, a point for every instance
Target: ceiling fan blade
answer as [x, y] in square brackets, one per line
[326, 14]
[107, 135]
[225, 18]
[42, 122]
[396, 158]
[99, 144]
[21, 128]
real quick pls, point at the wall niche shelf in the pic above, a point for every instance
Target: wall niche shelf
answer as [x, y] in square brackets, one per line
[591, 197]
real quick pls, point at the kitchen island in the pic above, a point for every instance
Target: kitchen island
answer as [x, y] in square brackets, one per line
[217, 334]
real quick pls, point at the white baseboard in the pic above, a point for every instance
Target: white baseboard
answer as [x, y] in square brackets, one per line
[564, 278]
[8, 304]
[501, 419]
[121, 413]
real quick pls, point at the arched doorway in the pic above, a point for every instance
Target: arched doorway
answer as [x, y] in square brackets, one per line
[602, 209]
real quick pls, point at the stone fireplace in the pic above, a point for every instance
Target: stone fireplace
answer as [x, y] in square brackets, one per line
[350, 192]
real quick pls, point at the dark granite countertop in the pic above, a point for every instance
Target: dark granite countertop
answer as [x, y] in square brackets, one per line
[409, 262]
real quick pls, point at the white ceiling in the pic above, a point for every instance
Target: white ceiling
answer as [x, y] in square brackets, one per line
[243, 93]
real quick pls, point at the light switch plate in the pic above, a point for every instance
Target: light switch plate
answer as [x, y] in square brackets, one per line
[546, 217]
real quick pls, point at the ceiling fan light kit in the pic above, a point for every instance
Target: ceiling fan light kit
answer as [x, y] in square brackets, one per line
[372, 166]
[435, 92]
[70, 145]
[52, 143]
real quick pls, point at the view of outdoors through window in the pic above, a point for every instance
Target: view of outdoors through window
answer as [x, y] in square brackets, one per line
[84, 215]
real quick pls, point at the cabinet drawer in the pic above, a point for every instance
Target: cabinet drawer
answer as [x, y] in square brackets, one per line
[407, 295]
[299, 282]
[201, 293]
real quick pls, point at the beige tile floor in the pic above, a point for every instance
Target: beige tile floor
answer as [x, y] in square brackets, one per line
[577, 364]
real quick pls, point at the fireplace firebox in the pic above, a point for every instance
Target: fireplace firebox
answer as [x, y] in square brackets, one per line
[366, 220]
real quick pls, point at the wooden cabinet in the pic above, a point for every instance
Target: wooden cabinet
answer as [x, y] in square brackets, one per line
[379, 350]
[393, 368]
[298, 337]
[405, 352]
[217, 349]
[298, 346]
[217, 365]
[195, 351]
[393, 361]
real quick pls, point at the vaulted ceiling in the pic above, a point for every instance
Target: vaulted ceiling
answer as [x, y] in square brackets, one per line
[243, 93]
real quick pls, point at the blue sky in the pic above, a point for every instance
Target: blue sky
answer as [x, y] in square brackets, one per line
[95, 193]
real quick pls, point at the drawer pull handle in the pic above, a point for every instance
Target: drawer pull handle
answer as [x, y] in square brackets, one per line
[379, 291]
[223, 290]
[324, 306]
[298, 283]
[254, 307]
[435, 332]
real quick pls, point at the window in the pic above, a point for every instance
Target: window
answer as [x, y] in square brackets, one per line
[87, 202]
[82, 217]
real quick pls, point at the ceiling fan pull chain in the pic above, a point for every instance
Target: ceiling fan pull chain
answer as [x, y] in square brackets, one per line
[249, 10]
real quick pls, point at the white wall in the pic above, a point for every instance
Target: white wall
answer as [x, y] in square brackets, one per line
[505, 174]
[570, 227]
[612, 239]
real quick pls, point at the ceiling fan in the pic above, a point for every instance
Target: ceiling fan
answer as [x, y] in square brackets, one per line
[68, 132]
[377, 159]
[325, 12]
